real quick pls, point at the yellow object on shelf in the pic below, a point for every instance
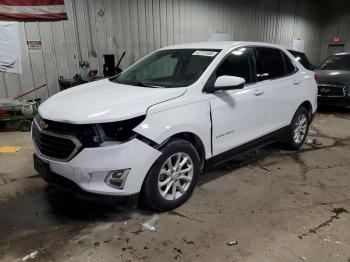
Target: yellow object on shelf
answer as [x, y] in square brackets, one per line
[9, 149]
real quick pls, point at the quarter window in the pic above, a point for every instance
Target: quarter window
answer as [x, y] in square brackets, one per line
[239, 63]
[302, 59]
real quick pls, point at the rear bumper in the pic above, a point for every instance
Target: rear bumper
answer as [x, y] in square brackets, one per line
[343, 101]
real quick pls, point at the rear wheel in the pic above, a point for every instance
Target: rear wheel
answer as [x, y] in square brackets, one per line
[172, 178]
[298, 129]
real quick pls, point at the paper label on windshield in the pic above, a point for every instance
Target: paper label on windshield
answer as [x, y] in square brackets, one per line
[205, 53]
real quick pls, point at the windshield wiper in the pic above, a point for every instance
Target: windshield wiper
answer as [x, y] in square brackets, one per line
[140, 83]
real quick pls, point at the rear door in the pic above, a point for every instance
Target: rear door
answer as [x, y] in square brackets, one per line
[237, 115]
[280, 81]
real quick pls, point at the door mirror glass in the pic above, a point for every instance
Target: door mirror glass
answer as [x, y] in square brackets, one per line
[229, 83]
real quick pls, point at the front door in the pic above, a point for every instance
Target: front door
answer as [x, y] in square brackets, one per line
[237, 115]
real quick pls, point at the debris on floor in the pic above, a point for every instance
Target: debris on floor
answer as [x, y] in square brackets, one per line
[314, 142]
[188, 242]
[30, 256]
[326, 240]
[9, 149]
[265, 168]
[150, 225]
[232, 243]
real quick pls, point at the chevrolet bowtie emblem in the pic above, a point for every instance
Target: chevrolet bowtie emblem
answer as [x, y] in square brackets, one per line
[42, 124]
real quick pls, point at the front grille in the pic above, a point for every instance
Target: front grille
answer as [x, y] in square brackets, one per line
[86, 134]
[331, 90]
[55, 146]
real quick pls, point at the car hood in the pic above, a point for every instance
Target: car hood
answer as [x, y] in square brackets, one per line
[104, 101]
[334, 77]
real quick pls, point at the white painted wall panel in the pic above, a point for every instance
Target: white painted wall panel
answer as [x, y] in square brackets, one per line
[141, 26]
[26, 78]
[49, 55]
[37, 63]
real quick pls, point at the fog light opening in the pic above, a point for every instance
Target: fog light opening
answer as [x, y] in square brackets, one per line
[117, 178]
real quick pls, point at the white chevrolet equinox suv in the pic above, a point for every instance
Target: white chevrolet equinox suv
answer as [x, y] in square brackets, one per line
[152, 130]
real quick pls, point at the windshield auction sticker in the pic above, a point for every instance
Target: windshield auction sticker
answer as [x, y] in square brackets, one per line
[205, 53]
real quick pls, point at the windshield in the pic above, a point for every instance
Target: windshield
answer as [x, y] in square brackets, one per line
[168, 68]
[336, 62]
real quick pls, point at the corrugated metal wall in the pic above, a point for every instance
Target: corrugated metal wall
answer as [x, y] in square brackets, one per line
[141, 26]
[337, 24]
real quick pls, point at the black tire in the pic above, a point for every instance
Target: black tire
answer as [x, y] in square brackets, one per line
[151, 195]
[290, 142]
[25, 125]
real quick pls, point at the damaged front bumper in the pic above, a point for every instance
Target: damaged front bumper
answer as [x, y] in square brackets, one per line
[88, 171]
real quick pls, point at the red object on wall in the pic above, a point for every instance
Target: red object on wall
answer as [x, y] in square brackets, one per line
[32, 10]
[336, 39]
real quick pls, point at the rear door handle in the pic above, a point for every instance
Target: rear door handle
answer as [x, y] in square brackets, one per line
[258, 92]
[296, 82]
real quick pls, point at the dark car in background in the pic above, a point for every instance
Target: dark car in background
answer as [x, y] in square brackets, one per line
[302, 58]
[334, 81]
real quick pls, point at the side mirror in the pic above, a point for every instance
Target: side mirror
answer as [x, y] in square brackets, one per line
[228, 83]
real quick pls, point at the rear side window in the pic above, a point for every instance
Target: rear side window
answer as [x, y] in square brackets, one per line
[272, 63]
[241, 63]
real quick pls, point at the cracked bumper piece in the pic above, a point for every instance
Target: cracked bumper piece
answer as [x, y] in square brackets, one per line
[91, 169]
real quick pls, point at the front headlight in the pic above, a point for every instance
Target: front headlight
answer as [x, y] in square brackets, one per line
[121, 131]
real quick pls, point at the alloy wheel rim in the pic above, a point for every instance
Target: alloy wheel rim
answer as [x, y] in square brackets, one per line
[300, 128]
[175, 176]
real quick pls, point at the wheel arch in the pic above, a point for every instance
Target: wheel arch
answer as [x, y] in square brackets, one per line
[194, 140]
[307, 104]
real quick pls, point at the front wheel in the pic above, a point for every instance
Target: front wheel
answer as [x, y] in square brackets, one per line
[298, 129]
[172, 178]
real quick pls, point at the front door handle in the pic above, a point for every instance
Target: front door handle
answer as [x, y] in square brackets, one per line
[258, 92]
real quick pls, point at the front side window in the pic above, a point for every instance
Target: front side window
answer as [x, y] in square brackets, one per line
[168, 68]
[239, 63]
[272, 63]
[336, 62]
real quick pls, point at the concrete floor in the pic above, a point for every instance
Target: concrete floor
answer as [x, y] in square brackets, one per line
[278, 205]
